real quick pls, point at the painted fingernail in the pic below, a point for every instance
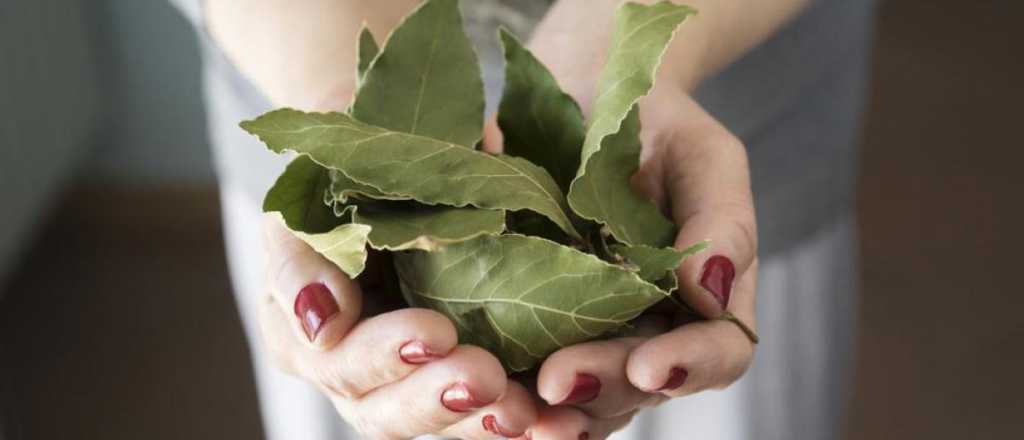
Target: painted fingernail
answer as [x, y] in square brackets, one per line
[584, 389]
[490, 423]
[416, 352]
[676, 378]
[314, 306]
[584, 436]
[717, 278]
[459, 399]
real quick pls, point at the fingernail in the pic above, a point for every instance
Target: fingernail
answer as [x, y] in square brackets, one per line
[459, 399]
[528, 436]
[584, 436]
[584, 389]
[717, 278]
[490, 423]
[314, 306]
[676, 378]
[416, 352]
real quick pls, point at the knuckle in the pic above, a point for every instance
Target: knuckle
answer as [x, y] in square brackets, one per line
[333, 379]
[282, 259]
[746, 233]
[428, 325]
[737, 354]
[274, 344]
[482, 360]
[721, 139]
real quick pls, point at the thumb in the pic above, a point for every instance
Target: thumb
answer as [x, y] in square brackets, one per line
[323, 302]
[708, 187]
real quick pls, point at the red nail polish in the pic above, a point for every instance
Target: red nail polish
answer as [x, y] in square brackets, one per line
[459, 399]
[717, 278]
[314, 306]
[490, 423]
[416, 352]
[584, 389]
[676, 378]
[584, 436]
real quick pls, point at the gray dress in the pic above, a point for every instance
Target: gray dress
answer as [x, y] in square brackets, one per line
[795, 101]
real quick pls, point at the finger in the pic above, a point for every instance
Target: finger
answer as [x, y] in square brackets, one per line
[278, 335]
[434, 397]
[380, 351]
[377, 352]
[558, 423]
[509, 417]
[493, 141]
[592, 376]
[568, 423]
[600, 429]
[708, 187]
[697, 356]
[322, 301]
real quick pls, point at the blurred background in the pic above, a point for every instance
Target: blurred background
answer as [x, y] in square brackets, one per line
[116, 315]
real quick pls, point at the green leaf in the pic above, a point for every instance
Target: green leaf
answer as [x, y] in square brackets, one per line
[538, 121]
[342, 188]
[523, 297]
[367, 52]
[295, 198]
[604, 193]
[400, 226]
[655, 264]
[297, 195]
[345, 246]
[427, 170]
[426, 80]
[611, 150]
[424, 53]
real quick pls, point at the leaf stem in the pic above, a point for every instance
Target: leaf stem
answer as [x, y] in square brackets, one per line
[751, 334]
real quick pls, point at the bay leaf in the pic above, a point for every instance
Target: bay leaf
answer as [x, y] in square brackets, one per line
[398, 227]
[533, 295]
[657, 265]
[345, 246]
[297, 193]
[342, 188]
[427, 170]
[611, 149]
[538, 120]
[367, 50]
[295, 199]
[605, 195]
[426, 79]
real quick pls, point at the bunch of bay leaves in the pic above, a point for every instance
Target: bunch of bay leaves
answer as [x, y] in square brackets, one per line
[543, 246]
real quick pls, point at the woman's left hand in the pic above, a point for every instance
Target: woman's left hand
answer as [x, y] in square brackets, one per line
[698, 171]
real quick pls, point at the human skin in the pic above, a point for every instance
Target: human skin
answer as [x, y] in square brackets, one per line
[411, 377]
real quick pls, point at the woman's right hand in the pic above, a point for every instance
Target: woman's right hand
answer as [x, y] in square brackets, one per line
[396, 375]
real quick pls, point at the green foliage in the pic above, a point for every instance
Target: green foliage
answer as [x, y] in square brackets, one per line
[611, 150]
[540, 122]
[400, 172]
